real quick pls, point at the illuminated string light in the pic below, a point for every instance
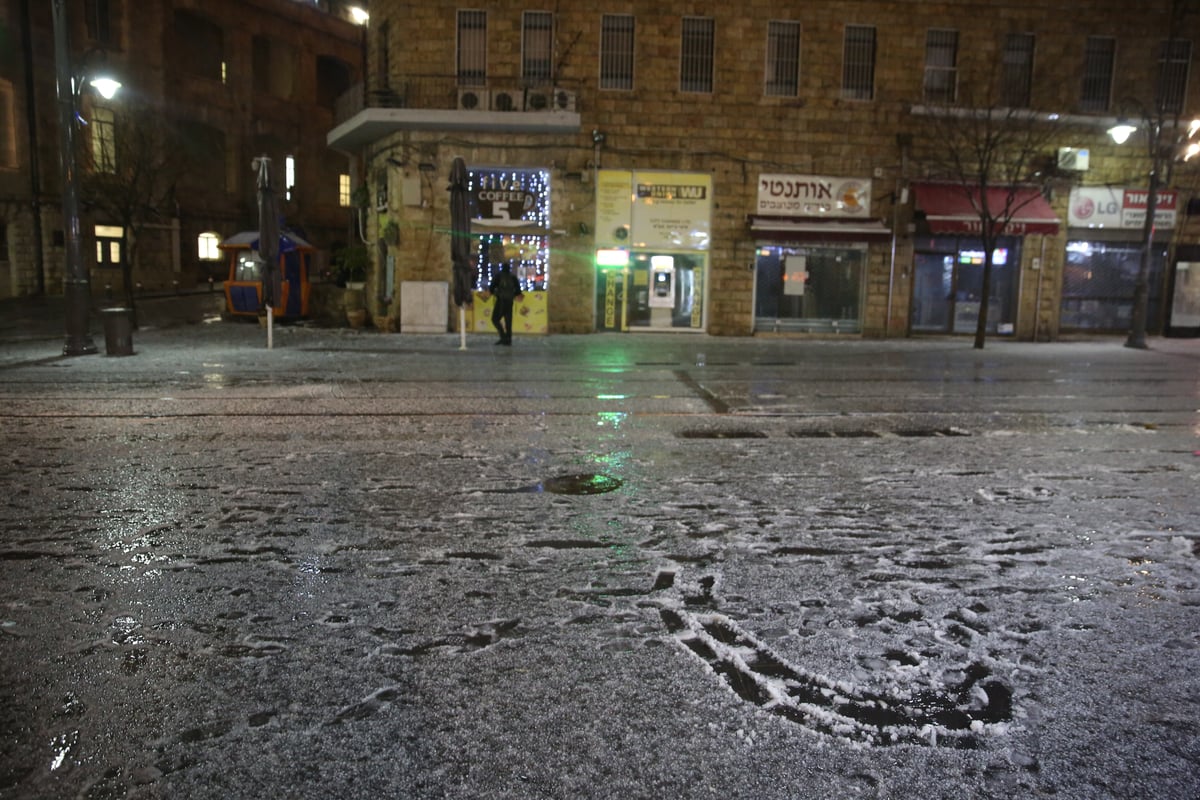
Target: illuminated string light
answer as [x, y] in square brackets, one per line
[530, 251]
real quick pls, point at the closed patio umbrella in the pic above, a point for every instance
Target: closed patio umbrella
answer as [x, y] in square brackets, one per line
[460, 243]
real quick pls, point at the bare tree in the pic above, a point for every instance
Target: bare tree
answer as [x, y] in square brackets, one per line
[130, 170]
[991, 155]
[1165, 139]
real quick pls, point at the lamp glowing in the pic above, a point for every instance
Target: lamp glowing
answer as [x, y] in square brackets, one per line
[107, 87]
[1121, 132]
[359, 15]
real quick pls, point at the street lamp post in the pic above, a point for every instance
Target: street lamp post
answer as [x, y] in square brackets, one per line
[77, 293]
[1162, 159]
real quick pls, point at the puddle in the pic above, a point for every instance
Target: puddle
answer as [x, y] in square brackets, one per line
[735, 434]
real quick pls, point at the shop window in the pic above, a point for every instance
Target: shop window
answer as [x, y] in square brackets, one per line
[206, 246]
[104, 146]
[858, 63]
[1017, 72]
[472, 48]
[783, 59]
[813, 289]
[1099, 56]
[941, 66]
[1098, 285]
[616, 51]
[1174, 58]
[108, 246]
[696, 55]
[537, 47]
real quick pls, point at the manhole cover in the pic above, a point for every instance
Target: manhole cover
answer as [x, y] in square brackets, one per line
[580, 484]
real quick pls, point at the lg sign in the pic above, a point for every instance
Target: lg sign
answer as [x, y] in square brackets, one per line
[1115, 207]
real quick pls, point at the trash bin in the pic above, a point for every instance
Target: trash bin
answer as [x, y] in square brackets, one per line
[118, 331]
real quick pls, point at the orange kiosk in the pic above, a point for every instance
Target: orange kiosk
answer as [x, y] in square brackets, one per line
[243, 288]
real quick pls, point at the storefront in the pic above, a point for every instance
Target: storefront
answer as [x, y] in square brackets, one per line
[812, 238]
[1104, 254]
[652, 250]
[510, 219]
[948, 256]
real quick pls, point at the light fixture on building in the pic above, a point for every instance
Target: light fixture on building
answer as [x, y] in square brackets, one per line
[106, 86]
[359, 15]
[1121, 132]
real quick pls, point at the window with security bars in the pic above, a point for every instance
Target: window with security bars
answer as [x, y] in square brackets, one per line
[537, 47]
[941, 66]
[1099, 57]
[1174, 58]
[696, 55]
[858, 63]
[783, 59]
[472, 48]
[616, 51]
[1017, 74]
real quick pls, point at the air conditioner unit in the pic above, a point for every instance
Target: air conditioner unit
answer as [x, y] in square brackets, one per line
[1073, 158]
[507, 100]
[472, 99]
[564, 100]
[539, 99]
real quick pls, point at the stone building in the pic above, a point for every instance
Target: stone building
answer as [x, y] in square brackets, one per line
[773, 168]
[206, 87]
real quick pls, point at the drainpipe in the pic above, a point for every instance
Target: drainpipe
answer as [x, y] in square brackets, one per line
[1037, 308]
[903, 140]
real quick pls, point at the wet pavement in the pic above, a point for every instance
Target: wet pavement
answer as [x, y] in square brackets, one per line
[377, 565]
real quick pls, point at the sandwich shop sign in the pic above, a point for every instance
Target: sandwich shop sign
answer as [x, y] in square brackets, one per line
[813, 196]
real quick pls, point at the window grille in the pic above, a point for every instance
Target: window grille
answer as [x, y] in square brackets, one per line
[616, 51]
[783, 59]
[104, 145]
[472, 48]
[537, 48]
[1018, 70]
[1174, 58]
[97, 19]
[1099, 56]
[696, 55]
[941, 66]
[858, 63]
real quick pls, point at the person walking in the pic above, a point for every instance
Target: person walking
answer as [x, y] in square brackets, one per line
[505, 288]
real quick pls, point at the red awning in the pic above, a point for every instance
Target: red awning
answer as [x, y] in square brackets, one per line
[950, 209]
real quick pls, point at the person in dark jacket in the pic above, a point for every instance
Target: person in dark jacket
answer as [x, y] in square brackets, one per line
[505, 288]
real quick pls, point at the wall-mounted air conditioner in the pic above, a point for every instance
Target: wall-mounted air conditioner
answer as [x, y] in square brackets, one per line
[564, 100]
[539, 99]
[472, 99]
[1073, 158]
[507, 100]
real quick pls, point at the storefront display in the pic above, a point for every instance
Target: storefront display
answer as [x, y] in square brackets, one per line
[652, 239]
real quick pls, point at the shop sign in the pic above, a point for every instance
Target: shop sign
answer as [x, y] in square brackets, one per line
[510, 198]
[813, 196]
[1119, 208]
[653, 210]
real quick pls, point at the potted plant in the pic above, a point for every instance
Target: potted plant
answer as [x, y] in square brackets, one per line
[350, 266]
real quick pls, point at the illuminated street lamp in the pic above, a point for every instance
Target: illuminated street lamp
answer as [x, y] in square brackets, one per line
[77, 293]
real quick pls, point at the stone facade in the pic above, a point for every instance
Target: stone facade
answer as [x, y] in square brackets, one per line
[737, 132]
[281, 103]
